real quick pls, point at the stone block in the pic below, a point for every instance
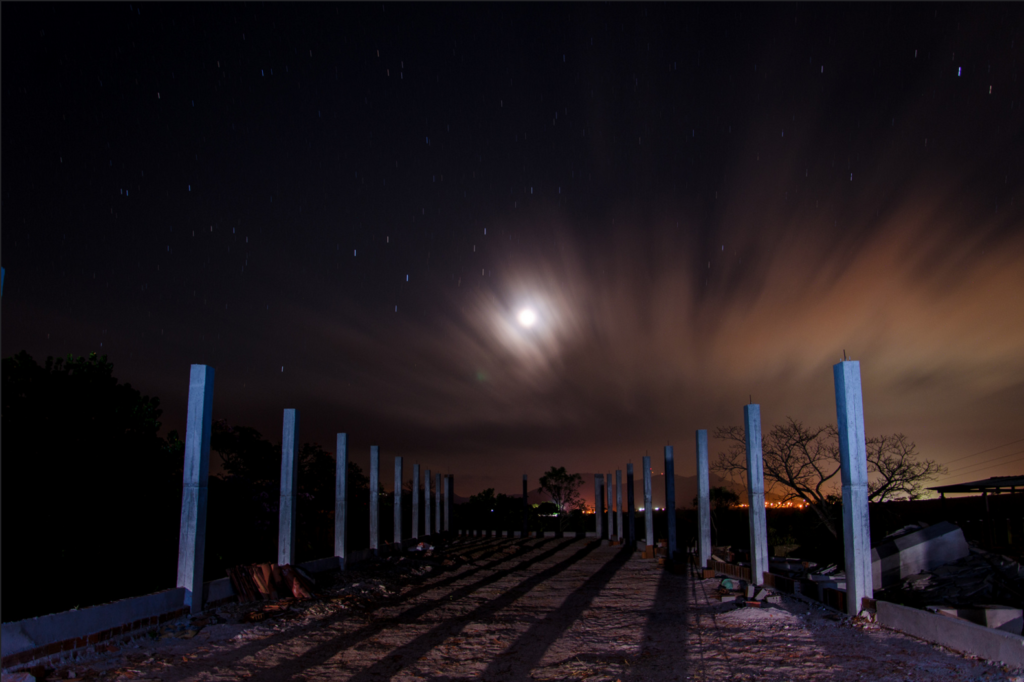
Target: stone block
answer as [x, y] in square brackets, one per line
[894, 560]
[1003, 618]
[761, 595]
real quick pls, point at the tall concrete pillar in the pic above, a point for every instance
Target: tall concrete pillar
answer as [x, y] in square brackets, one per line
[703, 500]
[341, 499]
[854, 474]
[415, 501]
[437, 503]
[648, 503]
[444, 503]
[194, 494]
[608, 509]
[598, 504]
[289, 488]
[374, 498]
[670, 500]
[426, 505]
[618, 504]
[398, 501]
[449, 503]
[755, 494]
[526, 510]
[631, 522]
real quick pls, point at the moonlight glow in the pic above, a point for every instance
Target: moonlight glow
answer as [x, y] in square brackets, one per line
[527, 317]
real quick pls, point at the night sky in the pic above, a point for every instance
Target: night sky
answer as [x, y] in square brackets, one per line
[343, 208]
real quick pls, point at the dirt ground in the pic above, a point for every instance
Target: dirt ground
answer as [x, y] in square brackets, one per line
[537, 609]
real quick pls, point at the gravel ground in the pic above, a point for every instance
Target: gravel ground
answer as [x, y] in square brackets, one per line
[541, 609]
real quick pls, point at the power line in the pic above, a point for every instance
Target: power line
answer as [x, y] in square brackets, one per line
[958, 459]
[995, 459]
[991, 466]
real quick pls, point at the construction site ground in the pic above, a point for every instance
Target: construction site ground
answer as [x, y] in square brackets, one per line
[535, 609]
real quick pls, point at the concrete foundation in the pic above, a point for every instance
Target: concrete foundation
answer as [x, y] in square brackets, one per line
[341, 498]
[894, 560]
[398, 500]
[703, 500]
[957, 634]
[195, 493]
[853, 461]
[374, 498]
[992, 616]
[670, 500]
[755, 494]
[648, 509]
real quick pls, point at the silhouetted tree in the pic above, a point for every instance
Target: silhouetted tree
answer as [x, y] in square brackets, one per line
[563, 488]
[803, 463]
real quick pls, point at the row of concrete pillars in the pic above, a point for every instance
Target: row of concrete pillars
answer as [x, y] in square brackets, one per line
[854, 477]
[192, 539]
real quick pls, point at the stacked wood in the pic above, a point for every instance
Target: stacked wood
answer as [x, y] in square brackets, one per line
[270, 582]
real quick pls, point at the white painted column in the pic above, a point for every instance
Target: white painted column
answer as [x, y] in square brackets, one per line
[194, 494]
[670, 499]
[448, 481]
[289, 488]
[703, 500]
[374, 498]
[608, 509]
[755, 494]
[598, 503]
[426, 505]
[631, 511]
[854, 474]
[398, 501]
[341, 499]
[648, 509]
[437, 502]
[618, 504]
[415, 501]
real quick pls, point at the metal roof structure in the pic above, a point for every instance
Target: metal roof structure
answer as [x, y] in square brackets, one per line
[996, 484]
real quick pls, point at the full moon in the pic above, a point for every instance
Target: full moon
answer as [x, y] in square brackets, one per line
[527, 317]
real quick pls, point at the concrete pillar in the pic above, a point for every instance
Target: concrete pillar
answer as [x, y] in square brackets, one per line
[398, 501]
[426, 505]
[631, 522]
[341, 499]
[648, 508]
[755, 494]
[618, 504]
[374, 498]
[703, 500]
[854, 474]
[449, 502]
[289, 488]
[670, 500]
[608, 509]
[192, 537]
[415, 501]
[598, 504]
[437, 502]
[444, 502]
[526, 509]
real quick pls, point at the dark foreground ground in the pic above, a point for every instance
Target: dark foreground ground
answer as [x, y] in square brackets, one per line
[541, 609]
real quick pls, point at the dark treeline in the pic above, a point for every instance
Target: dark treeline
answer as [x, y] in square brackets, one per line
[92, 492]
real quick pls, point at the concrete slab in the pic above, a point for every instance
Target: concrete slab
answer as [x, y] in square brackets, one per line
[894, 560]
[1005, 618]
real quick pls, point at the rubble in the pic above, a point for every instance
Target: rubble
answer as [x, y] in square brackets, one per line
[914, 550]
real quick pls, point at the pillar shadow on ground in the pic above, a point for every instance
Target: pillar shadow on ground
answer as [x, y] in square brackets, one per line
[423, 585]
[665, 643]
[408, 654]
[401, 657]
[517, 662]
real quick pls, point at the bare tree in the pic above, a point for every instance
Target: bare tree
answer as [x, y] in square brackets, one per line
[563, 488]
[802, 463]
